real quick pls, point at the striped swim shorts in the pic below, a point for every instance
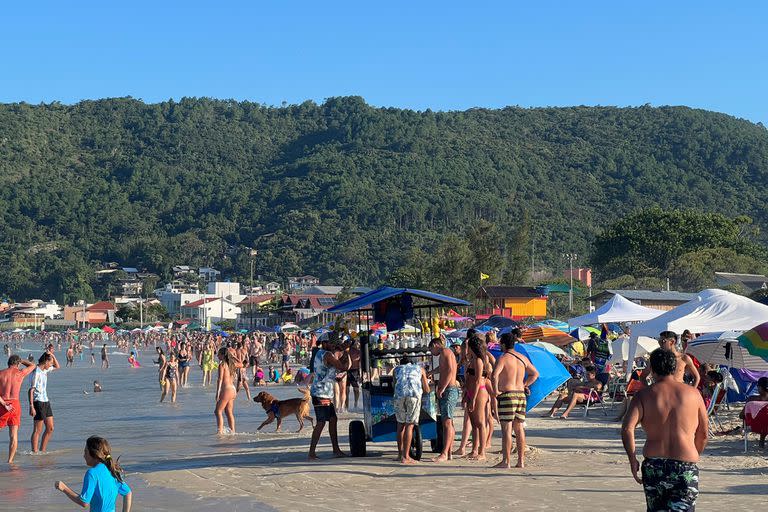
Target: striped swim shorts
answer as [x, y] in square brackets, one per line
[512, 405]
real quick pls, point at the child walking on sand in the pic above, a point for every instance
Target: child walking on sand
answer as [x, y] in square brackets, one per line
[103, 482]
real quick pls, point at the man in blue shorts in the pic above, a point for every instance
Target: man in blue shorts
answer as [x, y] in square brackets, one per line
[447, 395]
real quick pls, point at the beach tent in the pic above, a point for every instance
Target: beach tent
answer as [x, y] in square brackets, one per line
[552, 373]
[618, 309]
[94, 330]
[620, 348]
[712, 310]
[723, 348]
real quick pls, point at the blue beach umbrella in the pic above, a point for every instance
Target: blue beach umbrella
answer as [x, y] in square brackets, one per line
[552, 373]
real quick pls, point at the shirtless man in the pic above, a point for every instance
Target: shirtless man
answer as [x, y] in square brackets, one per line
[675, 423]
[668, 341]
[511, 379]
[10, 408]
[447, 393]
[71, 355]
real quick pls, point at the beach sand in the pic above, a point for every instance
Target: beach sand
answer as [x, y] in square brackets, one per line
[579, 464]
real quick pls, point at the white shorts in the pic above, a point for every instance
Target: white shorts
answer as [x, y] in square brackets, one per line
[408, 409]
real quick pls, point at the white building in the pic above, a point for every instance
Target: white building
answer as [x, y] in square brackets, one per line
[174, 299]
[213, 309]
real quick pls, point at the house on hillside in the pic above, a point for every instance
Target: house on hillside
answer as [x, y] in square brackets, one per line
[661, 300]
[515, 302]
[208, 274]
[297, 284]
[323, 290]
[253, 311]
[750, 282]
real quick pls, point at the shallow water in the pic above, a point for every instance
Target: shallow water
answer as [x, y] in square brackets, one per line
[148, 436]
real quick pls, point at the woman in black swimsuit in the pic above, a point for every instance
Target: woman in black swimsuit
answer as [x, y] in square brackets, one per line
[184, 357]
[171, 374]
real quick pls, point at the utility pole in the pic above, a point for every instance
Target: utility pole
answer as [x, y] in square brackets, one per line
[253, 253]
[533, 249]
[141, 312]
[571, 257]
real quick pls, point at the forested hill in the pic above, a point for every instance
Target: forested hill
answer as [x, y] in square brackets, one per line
[346, 188]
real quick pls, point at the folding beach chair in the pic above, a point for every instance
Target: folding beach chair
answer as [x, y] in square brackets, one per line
[714, 422]
[617, 390]
[755, 419]
[595, 398]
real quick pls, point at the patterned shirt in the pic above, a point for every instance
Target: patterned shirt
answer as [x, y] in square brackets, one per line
[408, 380]
[39, 384]
[322, 385]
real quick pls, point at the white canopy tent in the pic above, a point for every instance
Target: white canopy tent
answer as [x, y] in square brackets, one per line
[618, 309]
[620, 348]
[711, 311]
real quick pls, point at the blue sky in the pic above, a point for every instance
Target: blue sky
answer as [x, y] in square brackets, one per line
[418, 54]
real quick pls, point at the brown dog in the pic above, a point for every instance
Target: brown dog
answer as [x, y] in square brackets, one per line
[279, 409]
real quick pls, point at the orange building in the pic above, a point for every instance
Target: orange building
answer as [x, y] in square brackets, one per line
[515, 302]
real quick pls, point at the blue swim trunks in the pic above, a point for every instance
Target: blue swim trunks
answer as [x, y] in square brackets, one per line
[448, 402]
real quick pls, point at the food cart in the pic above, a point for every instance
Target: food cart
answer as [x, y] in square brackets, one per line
[379, 424]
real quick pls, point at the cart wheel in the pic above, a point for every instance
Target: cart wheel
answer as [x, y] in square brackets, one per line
[357, 438]
[438, 443]
[416, 447]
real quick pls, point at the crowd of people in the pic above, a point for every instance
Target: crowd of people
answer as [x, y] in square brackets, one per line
[668, 400]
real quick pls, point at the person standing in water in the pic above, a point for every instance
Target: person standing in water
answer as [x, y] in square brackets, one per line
[39, 405]
[225, 391]
[102, 483]
[674, 419]
[104, 358]
[171, 375]
[10, 408]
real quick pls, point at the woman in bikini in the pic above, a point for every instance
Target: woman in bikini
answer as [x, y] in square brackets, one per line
[225, 391]
[184, 357]
[478, 371]
[171, 375]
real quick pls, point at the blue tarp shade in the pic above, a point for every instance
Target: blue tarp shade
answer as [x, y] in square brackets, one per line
[552, 373]
[385, 292]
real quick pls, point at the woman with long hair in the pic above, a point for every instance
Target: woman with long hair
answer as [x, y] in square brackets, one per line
[225, 391]
[161, 365]
[184, 359]
[171, 376]
[103, 482]
[477, 396]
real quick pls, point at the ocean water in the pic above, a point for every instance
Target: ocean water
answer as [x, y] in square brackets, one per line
[147, 436]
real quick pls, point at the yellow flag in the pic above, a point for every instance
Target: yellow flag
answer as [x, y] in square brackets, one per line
[483, 277]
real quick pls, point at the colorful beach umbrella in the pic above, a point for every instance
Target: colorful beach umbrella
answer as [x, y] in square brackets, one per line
[548, 334]
[755, 341]
[552, 373]
[555, 351]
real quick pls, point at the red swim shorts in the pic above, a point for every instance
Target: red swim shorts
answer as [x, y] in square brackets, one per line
[11, 418]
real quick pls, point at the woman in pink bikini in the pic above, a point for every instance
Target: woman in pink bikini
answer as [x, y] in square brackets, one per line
[478, 371]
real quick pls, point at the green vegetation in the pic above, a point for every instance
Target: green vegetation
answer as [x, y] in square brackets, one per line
[352, 193]
[687, 246]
